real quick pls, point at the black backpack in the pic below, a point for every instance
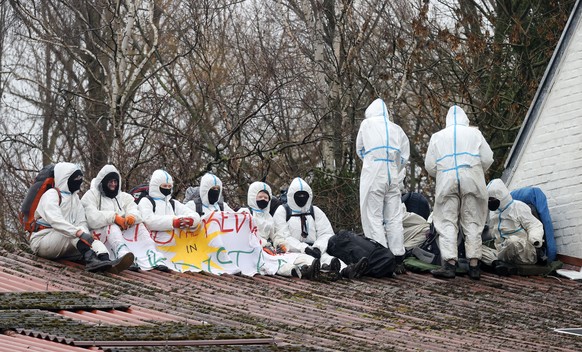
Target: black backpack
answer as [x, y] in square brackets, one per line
[351, 247]
[416, 203]
[142, 191]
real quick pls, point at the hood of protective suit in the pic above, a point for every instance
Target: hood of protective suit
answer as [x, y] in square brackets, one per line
[457, 116]
[106, 170]
[497, 189]
[62, 173]
[377, 108]
[206, 183]
[254, 189]
[159, 177]
[297, 185]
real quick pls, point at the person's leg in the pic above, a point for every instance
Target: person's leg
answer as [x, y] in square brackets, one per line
[372, 212]
[393, 226]
[472, 219]
[55, 245]
[445, 218]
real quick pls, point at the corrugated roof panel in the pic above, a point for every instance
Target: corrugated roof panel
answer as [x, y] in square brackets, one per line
[17, 342]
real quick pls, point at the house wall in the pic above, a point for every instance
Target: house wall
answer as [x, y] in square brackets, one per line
[552, 157]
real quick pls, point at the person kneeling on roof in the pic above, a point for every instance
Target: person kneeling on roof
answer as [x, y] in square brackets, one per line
[516, 231]
[62, 225]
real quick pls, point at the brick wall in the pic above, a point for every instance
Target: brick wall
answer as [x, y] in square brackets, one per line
[552, 157]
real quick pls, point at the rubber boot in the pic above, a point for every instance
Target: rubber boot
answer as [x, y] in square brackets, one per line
[92, 262]
[400, 268]
[162, 268]
[335, 267]
[356, 271]
[447, 271]
[311, 272]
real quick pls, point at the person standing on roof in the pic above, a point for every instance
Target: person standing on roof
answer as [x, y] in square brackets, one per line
[62, 226]
[304, 228]
[259, 198]
[161, 212]
[211, 198]
[384, 149]
[516, 230]
[114, 217]
[458, 157]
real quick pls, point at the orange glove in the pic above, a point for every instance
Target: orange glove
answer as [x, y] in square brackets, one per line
[129, 220]
[281, 249]
[270, 250]
[188, 222]
[120, 221]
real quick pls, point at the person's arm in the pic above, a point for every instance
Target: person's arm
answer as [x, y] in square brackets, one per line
[486, 154]
[360, 150]
[283, 236]
[96, 218]
[430, 159]
[531, 225]
[185, 211]
[152, 221]
[49, 212]
[323, 228]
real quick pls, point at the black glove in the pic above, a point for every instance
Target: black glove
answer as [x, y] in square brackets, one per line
[313, 251]
[86, 238]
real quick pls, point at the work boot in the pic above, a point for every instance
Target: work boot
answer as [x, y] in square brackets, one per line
[502, 268]
[447, 271]
[400, 268]
[335, 267]
[311, 272]
[356, 271]
[474, 272]
[119, 264]
[134, 267]
[94, 264]
[162, 268]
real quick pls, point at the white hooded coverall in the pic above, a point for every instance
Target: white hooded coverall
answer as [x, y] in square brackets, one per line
[265, 228]
[319, 229]
[516, 230]
[384, 149]
[63, 220]
[206, 183]
[101, 211]
[161, 222]
[458, 157]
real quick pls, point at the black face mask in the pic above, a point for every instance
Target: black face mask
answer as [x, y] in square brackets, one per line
[106, 191]
[262, 203]
[213, 195]
[165, 191]
[493, 203]
[75, 180]
[301, 198]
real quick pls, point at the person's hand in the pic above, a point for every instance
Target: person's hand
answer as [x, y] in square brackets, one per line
[129, 220]
[281, 249]
[313, 251]
[120, 221]
[270, 249]
[188, 222]
[86, 238]
[178, 223]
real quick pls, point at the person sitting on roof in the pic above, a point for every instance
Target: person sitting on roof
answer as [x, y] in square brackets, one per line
[304, 228]
[115, 219]
[259, 198]
[63, 231]
[210, 196]
[516, 231]
[160, 212]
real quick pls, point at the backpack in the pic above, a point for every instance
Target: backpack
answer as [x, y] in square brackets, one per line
[142, 191]
[416, 203]
[44, 181]
[351, 247]
[289, 212]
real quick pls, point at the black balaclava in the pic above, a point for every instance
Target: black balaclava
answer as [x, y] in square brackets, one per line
[75, 180]
[106, 191]
[262, 204]
[493, 203]
[213, 195]
[165, 191]
[301, 198]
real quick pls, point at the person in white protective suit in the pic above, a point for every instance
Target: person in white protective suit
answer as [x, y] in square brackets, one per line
[62, 225]
[384, 149]
[114, 217]
[304, 228]
[516, 231]
[210, 196]
[162, 214]
[458, 157]
[296, 264]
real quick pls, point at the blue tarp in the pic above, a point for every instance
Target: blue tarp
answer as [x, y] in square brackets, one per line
[536, 197]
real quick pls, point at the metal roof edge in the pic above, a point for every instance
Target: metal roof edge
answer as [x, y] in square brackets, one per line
[541, 94]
